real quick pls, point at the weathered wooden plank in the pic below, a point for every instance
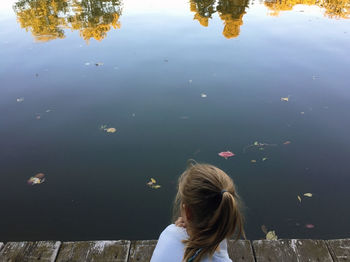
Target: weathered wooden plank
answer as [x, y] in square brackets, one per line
[45, 251]
[291, 250]
[273, 250]
[1, 245]
[142, 250]
[312, 250]
[94, 251]
[340, 249]
[240, 250]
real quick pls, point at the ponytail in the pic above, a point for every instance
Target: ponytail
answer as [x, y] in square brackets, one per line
[215, 212]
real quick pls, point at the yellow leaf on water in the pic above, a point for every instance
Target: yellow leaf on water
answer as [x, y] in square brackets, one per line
[308, 194]
[299, 198]
[111, 130]
[153, 180]
[271, 235]
[285, 99]
[156, 186]
[253, 161]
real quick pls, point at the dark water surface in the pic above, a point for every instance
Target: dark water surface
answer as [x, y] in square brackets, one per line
[158, 58]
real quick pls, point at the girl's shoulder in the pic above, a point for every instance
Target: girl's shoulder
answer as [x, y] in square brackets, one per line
[170, 247]
[175, 232]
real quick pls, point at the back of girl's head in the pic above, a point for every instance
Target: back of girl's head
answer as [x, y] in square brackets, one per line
[210, 195]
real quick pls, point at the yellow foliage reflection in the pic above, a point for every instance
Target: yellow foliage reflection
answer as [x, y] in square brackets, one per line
[203, 9]
[93, 19]
[47, 19]
[231, 12]
[333, 8]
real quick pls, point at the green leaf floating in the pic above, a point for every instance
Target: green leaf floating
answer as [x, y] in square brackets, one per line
[271, 235]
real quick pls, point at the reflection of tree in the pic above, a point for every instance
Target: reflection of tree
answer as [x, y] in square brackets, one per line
[47, 19]
[203, 9]
[231, 12]
[94, 18]
[334, 8]
[41, 17]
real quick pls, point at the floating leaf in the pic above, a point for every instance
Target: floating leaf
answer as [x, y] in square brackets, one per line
[99, 64]
[302, 113]
[111, 130]
[271, 235]
[308, 194]
[287, 143]
[299, 198]
[203, 95]
[20, 99]
[264, 229]
[257, 145]
[87, 63]
[37, 179]
[253, 161]
[264, 158]
[226, 154]
[40, 175]
[285, 99]
[152, 184]
[309, 226]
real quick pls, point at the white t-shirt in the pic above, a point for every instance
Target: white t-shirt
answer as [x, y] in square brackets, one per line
[171, 249]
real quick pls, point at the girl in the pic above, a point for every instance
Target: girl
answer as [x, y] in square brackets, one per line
[208, 210]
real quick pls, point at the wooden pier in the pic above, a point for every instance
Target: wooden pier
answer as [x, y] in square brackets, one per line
[288, 250]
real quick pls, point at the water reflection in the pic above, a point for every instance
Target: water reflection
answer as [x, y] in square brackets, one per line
[230, 11]
[47, 19]
[333, 8]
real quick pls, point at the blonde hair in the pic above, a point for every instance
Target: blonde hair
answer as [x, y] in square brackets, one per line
[212, 199]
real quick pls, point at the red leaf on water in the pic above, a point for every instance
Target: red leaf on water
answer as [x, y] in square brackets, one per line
[226, 154]
[309, 226]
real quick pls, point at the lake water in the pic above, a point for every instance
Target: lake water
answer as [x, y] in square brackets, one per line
[177, 80]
